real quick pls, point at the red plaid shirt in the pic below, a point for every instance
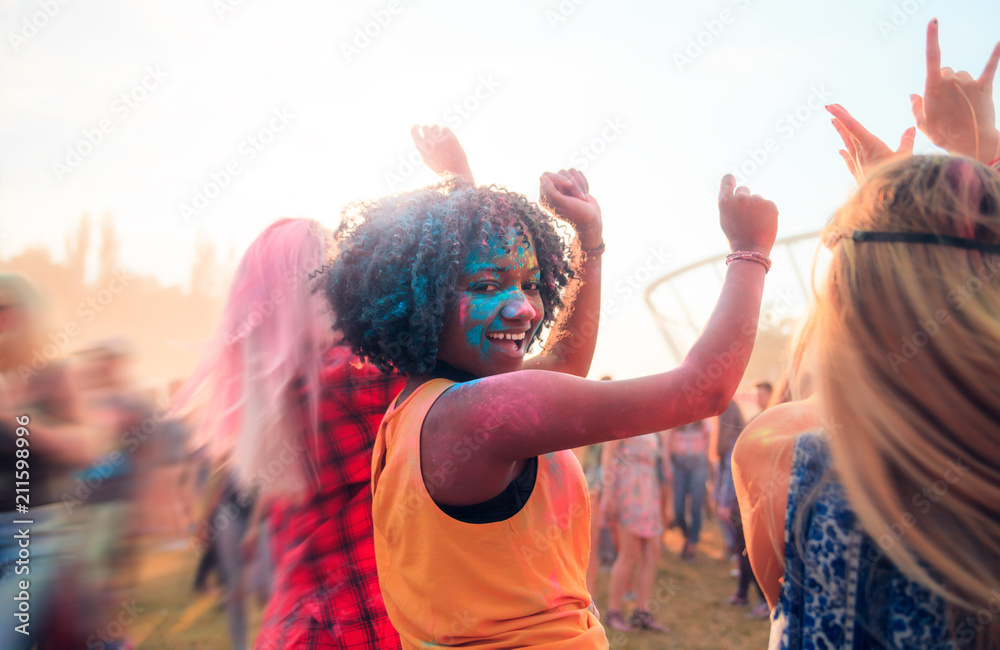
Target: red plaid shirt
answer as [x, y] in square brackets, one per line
[325, 592]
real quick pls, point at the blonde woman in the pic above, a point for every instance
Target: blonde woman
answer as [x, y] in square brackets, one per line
[872, 507]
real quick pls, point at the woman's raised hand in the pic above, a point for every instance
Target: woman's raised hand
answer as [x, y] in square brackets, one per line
[567, 196]
[956, 111]
[862, 149]
[749, 221]
[441, 151]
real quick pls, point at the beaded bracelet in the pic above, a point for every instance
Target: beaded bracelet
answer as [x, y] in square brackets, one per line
[750, 256]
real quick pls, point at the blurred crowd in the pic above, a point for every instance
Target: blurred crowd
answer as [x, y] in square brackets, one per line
[100, 464]
[641, 487]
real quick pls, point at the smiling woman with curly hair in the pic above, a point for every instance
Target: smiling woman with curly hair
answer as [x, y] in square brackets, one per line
[480, 512]
[401, 258]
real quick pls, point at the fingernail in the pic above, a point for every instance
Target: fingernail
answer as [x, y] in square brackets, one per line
[934, 21]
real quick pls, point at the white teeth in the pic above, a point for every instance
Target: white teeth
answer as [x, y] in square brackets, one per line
[507, 336]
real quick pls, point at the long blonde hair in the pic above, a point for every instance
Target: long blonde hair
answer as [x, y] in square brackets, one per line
[908, 363]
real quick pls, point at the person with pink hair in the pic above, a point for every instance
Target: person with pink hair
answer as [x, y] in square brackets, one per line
[295, 416]
[267, 349]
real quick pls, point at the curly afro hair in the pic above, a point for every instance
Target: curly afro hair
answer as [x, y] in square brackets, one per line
[399, 259]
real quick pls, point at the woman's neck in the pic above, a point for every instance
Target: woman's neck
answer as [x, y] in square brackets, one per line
[444, 370]
[440, 371]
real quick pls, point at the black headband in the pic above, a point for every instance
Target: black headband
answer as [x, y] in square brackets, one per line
[924, 238]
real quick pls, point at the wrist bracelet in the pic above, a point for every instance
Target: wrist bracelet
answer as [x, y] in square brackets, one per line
[594, 252]
[750, 256]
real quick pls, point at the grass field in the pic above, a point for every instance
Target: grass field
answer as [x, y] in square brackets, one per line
[690, 602]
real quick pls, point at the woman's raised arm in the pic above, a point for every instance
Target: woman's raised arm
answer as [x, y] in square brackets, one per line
[524, 414]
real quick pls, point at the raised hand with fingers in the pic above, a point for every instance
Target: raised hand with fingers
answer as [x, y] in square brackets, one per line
[956, 111]
[749, 221]
[567, 196]
[862, 149]
[441, 152]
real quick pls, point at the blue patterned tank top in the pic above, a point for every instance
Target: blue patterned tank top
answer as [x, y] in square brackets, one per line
[839, 590]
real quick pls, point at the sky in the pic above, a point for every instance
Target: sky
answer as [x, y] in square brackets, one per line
[188, 119]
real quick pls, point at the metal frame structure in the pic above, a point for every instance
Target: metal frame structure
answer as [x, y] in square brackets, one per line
[674, 278]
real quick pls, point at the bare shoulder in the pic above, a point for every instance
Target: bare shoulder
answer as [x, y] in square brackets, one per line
[455, 435]
[762, 464]
[779, 423]
[767, 443]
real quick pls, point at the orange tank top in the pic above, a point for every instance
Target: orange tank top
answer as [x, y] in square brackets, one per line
[509, 584]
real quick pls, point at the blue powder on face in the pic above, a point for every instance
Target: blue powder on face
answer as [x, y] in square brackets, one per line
[477, 312]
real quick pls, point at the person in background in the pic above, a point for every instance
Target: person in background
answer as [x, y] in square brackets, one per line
[174, 471]
[112, 514]
[725, 430]
[687, 449]
[591, 461]
[665, 476]
[632, 502]
[44, 440]
[763, 392]
[231, 521]
[255, 399]
[731, 425]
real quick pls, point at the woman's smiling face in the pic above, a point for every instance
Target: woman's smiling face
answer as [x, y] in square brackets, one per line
[498, 308]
